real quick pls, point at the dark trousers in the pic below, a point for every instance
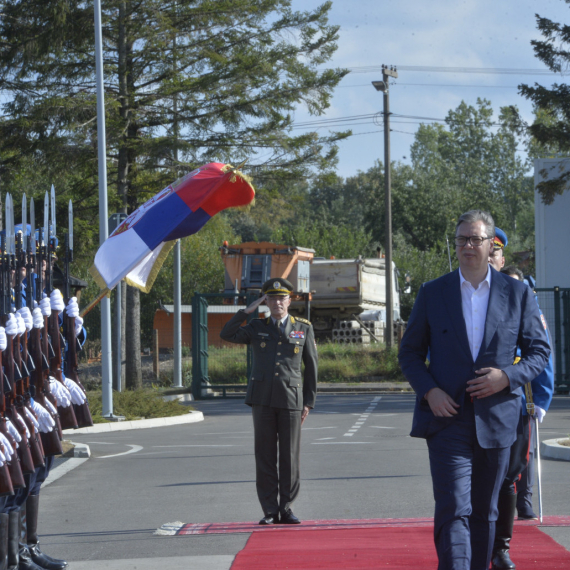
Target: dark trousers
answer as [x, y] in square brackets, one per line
[518, 457]
[277, 435]
[33, 483]
[526, 481]
[466, 482]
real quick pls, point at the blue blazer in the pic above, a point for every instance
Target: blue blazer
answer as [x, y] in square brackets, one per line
[436, 325]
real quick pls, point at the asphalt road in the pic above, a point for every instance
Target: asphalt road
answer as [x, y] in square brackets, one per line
[358, 462]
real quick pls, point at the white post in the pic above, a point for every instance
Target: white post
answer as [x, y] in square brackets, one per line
[177, 319]
[106, 359]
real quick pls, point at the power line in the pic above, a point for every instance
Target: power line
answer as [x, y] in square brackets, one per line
[437, 85]
[470, 70]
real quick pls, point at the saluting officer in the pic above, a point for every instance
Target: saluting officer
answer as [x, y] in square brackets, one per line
[279, 393]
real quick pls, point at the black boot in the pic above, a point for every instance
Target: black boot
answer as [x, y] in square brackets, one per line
[3, 541]
[504, 532]
[41, 559]
[18, 555]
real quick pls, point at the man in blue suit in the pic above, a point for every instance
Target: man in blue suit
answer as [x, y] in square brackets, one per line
[471, 322]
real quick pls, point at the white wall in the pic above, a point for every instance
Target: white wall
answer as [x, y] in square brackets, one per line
[552, 228]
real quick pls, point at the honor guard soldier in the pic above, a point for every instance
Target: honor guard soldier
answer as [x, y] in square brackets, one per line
[279, 393]
[521, 462]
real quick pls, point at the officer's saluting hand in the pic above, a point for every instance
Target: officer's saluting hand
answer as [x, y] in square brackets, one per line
[280, 395]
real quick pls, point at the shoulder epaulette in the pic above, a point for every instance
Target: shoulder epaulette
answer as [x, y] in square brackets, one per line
[301, 320]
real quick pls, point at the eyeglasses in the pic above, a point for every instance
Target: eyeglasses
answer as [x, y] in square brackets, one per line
[475, 241]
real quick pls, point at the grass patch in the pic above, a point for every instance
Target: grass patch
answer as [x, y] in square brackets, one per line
[337, 363]
[356, 363]
[135, 405]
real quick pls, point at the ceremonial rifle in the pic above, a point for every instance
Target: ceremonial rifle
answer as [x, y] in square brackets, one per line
[21, 387]
[67, 415]
[82, 411]
[41, 346]
[6, 486]
[10, 370]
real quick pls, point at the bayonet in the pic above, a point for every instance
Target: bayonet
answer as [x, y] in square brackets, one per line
[70, 220]
[33, 226]
[24, 223]
[53, 231]
[46, 218]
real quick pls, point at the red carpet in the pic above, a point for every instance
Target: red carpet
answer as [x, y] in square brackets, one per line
[410, 547]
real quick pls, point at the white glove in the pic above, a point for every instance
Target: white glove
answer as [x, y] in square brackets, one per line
[12, 325]
[60, 393]
[56, 300]
[45, 307]
[21, 421]
[8, 451]
[539, 413]
[50, 407]
[13, 431]
[77, 394]
[25, 313]
[32, 418]
[38, 318]
[46, 423]
[21, 324]
[3, 339]
[78, 325]
[72, 308]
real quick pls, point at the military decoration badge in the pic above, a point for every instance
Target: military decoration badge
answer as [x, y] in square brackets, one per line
[296, 334]
[297, 349]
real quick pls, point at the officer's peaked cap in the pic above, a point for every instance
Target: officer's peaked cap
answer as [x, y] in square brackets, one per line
[277, 286]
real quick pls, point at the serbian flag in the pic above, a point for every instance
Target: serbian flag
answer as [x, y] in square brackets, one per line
[136, 250]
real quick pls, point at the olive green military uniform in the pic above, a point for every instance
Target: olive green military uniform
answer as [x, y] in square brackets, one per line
[277, 392]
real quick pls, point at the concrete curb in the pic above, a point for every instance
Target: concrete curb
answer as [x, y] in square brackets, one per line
[551, 449]
[189, 418]
[81, 453]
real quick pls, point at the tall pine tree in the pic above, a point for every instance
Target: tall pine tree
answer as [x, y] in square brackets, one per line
[186, 82]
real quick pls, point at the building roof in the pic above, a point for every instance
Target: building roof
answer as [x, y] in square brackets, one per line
[223, 309]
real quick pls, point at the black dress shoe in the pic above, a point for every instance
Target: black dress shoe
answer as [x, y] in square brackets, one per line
[527, 516]
[270, 519]
[502, 561]
[289, 518]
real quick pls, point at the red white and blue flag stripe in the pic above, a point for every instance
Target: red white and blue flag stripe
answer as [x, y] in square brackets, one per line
[136, 250]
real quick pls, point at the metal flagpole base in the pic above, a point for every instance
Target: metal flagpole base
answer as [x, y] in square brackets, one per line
[114, 418]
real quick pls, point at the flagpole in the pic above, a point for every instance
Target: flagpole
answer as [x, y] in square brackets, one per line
[106, 359]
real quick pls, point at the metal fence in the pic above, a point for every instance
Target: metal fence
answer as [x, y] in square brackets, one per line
[217, 366]
[555, 305]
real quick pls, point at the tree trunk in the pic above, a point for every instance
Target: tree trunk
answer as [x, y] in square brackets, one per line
[133, 339]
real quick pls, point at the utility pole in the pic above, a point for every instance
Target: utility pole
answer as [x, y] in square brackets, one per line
[383, 86]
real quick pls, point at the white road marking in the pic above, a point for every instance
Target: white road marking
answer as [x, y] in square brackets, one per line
[363, 417]
[211, 445]
[341, 442]
[134, 449]
[382, 427]
[324, 438]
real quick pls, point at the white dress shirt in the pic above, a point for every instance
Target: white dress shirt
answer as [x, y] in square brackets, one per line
[474, 303]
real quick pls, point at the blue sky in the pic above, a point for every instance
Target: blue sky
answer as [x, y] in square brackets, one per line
[472, 34]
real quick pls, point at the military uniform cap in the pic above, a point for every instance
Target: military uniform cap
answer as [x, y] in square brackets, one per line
[500, 241]
[277, 286]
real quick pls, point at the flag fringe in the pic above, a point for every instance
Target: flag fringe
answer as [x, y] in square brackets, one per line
[97, 277]
[247, 179]
[155, 269]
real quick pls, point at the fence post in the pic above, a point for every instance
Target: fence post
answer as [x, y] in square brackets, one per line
[563, 388]
[558, 338]
[155, 355]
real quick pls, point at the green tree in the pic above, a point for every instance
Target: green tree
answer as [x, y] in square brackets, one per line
[551, 128]
[186, 83]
